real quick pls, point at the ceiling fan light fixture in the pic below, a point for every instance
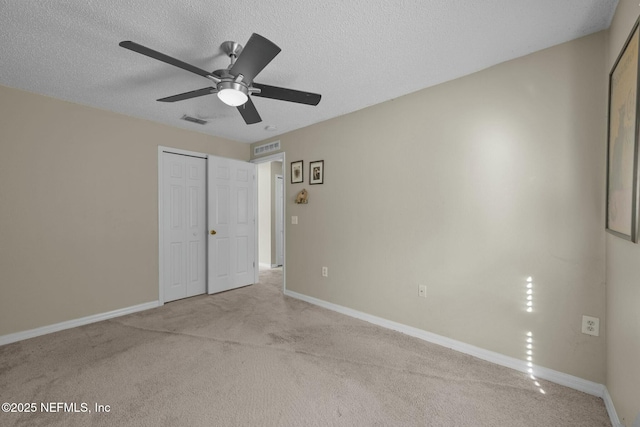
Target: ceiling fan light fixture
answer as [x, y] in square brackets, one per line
[232, 93]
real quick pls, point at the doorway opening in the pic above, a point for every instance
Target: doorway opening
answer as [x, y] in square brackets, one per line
[271, 213]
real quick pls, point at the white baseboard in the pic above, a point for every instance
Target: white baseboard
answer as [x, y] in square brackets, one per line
[611, 410]
[567, 380]
[32, 333]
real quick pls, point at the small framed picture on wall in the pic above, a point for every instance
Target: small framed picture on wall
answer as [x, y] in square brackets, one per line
[297, 174]
[316, 172]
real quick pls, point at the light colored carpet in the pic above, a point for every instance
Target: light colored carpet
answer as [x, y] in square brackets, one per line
[253, 357]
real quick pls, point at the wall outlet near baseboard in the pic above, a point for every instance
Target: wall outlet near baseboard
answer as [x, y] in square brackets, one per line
[325, 272]
[591, 325]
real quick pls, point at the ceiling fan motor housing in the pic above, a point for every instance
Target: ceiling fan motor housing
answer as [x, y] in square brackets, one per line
[226, 84]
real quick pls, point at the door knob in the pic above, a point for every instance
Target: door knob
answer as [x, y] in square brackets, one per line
[213, 232]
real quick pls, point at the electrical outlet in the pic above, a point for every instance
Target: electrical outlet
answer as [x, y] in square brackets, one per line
[591, 325]
[325, 272]
[422, 291]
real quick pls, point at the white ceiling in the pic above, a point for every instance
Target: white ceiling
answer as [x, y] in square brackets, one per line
[356, 53]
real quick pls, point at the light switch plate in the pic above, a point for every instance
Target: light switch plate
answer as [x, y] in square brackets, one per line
[294, 219]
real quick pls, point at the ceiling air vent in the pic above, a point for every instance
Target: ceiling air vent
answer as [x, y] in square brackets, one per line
[194, 120]
[266, 148]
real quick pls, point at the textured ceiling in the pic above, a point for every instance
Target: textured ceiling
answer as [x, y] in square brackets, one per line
[356, 53]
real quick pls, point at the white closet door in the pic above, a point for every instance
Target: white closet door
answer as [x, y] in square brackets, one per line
[184, 214]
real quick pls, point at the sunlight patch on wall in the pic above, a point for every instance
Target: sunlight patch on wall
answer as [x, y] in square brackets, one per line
[530, 370]
[529, 299]
[529, 337]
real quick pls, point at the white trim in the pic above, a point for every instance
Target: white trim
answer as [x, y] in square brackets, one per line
[611, 410]
[32, 333]
[161, 150]
[265, 265]
[281, 156]
[271, 158]
[567, 380]
[280, 176]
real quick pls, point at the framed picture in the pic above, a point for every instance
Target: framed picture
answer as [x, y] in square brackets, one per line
[622, 147]
[316, 172]
[297, 174]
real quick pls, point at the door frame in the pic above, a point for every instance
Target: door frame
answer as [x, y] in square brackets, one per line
[277, 157]
[279, 176]
[161, 238]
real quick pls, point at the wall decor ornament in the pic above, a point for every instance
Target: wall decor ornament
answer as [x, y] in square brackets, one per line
[302, 197]
[622, 147]
[316, 172]
[297, 172]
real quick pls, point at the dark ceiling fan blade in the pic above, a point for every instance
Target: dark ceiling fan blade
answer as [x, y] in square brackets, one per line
[164, 58]
[189, 95]
[249, 112]
[254, 57]
[284, 94]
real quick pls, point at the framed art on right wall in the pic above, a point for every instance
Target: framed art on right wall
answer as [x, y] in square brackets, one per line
[622, 147]
[316, 172]
[297, 172]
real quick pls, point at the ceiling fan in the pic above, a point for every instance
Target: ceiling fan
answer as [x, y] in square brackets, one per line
[235, 83]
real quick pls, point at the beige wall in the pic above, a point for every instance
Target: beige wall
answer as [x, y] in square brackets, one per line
[79, 208]
[623, 275]
[469, 188]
